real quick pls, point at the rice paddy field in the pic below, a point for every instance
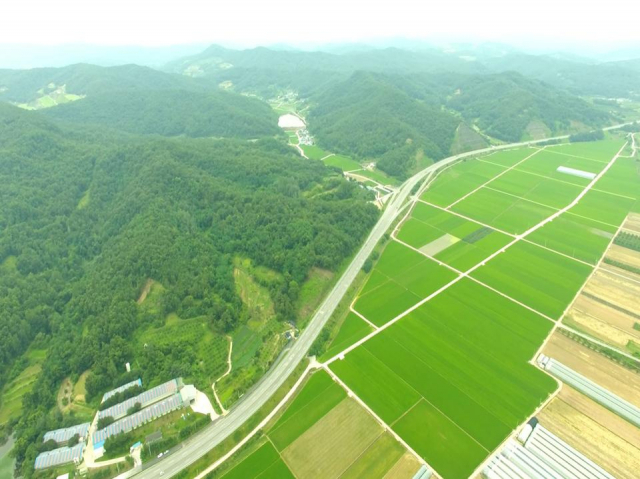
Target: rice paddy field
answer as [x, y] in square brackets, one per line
[470, 286]
[401, 279]
[323, 434]
[458, 361]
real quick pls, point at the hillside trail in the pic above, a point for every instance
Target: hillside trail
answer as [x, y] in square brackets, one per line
[213, 386]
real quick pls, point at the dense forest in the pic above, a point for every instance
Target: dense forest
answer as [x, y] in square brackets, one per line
[507, 105]
[173, 113]
[308, 72]
[393, 118]
[81, 79]
[88, 216]
[369, 117]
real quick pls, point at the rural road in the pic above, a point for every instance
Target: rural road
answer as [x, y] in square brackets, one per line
[197, 446]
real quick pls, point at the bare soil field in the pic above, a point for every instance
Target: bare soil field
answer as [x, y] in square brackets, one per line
[596, 432]
[331, 445]
[632, 223]
[598, 329]
[624, 255]
[405, 468]
[615, 290]
[145, 291]
[613, 317]
[606, 373]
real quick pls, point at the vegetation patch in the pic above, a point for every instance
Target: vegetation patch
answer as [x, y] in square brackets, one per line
[435, 436]
[353, 329]
[343, 162]
[410, 277]
[604, 207]
[463, 353]
[459, 180]
[319, 396]
[508, 157]
[503, 211]
[265, 463]
[332, 444]
[536, 188]
[575, 236]
[539, 278]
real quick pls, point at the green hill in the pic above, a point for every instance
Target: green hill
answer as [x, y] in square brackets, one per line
[368, 116]
[23, 86]
[173, 113]
[506, 106]
[89, 215]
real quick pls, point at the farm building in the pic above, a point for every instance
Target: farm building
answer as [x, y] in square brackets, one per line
[542, 455]
[290, 122]
[145, 399]
[124, 387]
[57, 457]
[62, 436]
[139, 418]
[590, 389]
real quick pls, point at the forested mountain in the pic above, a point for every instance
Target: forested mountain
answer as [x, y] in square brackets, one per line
[173, 113]
[369, 117]
[88, 216]
[264, 70]
[24, 85]
[510, 107]
[393, 118]
[601, 79]
[267, 71]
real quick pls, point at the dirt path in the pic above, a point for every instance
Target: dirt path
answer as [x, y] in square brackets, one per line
[298, 147]
[213, 386]
[145, 291]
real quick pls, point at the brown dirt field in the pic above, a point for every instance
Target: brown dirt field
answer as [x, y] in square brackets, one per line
[615, 289]
[145, 291]
[633, 222]
[606, 314]
[624, 255]
[405, 468]
[598, 329]
[595, 432]
[606, 373]
[331, 445]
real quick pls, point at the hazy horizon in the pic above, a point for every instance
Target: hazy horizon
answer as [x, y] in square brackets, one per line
[559, 23]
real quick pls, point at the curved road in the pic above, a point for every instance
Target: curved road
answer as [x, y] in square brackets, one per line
[197, 446]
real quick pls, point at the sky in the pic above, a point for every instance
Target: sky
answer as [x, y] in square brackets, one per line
[249, 23]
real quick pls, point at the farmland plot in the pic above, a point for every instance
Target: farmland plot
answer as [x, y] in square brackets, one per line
[432, 371]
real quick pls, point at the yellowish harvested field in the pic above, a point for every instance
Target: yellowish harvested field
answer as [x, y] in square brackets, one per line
[405, 468]
[596, 432]
[624, 255]
[632, 223]
[612, 288]
[594, 366]
[615, 318]
[598, 329]
[331, 445]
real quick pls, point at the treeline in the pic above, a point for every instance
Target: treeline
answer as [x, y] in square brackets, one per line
[594, 135]
[120, 396]
[173, 113]
[88, 216]
[628, 240]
